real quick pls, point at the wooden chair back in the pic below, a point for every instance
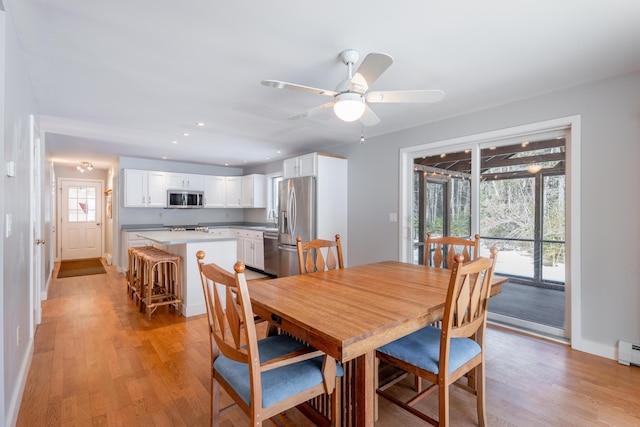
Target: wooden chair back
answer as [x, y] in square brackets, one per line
[428, 353]
[228, 308]
[319, 255]
[233, 335]
[440, 251]
[465, 313]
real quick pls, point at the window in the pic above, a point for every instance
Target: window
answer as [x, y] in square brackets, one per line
[273, 181]
[82, 204]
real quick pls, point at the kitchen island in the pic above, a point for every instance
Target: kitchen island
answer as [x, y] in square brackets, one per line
[218, 249]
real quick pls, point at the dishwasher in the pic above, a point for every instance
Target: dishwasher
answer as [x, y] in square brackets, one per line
[271, 254]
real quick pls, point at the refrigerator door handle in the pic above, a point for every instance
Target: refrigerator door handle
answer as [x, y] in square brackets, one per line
[292, 213]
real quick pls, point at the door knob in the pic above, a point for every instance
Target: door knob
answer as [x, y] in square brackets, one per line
[98, 224]
[40, 242]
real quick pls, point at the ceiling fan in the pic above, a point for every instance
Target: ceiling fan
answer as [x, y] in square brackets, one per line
[351, 96]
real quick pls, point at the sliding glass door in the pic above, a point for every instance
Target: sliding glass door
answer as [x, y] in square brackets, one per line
[520, 209]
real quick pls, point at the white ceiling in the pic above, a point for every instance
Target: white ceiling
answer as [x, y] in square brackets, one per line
[126, 78]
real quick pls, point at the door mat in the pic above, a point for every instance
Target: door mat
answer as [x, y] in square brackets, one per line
[80, 267]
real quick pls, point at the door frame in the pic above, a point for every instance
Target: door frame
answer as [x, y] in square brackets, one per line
[572, 125]
[36, 232]
[60, 213]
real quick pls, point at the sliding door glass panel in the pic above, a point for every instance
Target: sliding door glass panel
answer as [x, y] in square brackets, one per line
[442, 198]
[507, 221]
[553, 229]
[520, 210]
[435, 207]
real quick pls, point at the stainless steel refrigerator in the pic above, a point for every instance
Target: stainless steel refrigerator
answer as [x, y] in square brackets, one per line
[297, 217]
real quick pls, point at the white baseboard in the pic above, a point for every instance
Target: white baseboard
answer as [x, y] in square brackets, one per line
[13, 408]
[599, 349]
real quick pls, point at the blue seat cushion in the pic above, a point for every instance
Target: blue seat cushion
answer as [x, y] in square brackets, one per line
[422, 349]
[277, 384]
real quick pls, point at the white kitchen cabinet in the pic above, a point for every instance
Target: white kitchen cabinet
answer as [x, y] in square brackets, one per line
[233, 192]
[220, 232]
[295, 167]
[250, 247]
[186, 181]
[130, 239]
[239, 234]
[258, 250]
[215, 191]
[253, 248]
[146, 189]
[254, 191]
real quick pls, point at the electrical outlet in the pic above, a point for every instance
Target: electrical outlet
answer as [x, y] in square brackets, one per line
[18, 336]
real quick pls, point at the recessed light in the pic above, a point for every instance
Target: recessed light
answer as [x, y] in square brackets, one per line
[185, 134]
[226, 164]
[266, 158]
[279, 152]
[175, 142]
[164, 157]
[199, 124]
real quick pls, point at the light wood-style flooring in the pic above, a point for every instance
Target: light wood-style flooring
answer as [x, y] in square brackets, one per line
[99, 362]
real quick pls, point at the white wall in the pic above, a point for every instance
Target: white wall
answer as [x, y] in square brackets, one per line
[2, 210]
[19, 103]
[610, 199]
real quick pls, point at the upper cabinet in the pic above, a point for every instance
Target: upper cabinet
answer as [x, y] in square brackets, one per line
[149, 189]
[186, 181]
[145, 189]
[233, 187]
[214, 191]
[254, 191]
[306, 165]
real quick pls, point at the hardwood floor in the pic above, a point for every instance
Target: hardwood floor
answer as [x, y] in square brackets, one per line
[99, 362]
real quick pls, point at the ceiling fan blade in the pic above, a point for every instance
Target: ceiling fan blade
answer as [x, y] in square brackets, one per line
[369, 118]
[390, 96]
[312, 112]
[292, 86]
[373, 65]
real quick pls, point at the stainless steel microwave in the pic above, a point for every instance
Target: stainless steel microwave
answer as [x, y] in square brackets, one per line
[185, 199]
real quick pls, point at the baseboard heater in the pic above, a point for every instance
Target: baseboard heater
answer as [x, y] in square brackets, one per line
[628, 353]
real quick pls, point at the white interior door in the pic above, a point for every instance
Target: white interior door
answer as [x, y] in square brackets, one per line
[80, 219]
[36, 236]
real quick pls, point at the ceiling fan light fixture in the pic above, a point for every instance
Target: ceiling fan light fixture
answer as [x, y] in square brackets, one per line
[349, 106]
[534, 168]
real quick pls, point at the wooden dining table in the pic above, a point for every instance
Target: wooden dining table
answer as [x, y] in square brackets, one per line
[348, 313]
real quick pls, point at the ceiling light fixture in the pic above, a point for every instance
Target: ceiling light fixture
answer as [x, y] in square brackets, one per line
[84, 166]
[534, 168]
[349, 106]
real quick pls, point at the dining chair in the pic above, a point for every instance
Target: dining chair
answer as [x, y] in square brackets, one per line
[263, 377]
[443, 356]
[440, 251]
[319, 255]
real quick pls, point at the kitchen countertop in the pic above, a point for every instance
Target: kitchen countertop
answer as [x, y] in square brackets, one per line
[167, 237]
[162, 227]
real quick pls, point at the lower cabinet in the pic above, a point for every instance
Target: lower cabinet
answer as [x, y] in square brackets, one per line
[250, 247]
[130, 239]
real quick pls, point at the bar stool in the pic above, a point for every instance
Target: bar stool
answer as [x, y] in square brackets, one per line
[161, 280]
[135, 271]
